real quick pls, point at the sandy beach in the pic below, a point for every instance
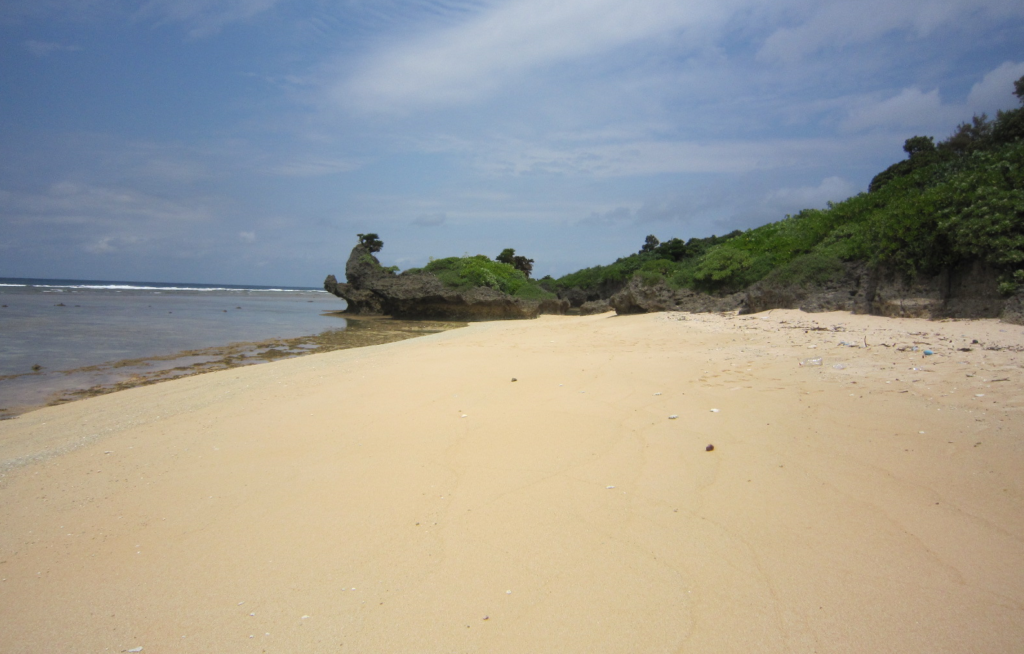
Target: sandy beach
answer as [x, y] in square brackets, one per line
[539, 486]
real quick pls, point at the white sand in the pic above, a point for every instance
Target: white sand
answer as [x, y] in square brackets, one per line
[412, 498]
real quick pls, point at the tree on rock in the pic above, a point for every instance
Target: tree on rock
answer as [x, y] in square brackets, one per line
[508, 255]
[371, 242]
[650, 243]
[520, 263]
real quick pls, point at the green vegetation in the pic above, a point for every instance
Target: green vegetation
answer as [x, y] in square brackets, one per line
[956, 201]
[522, 264]
[480, 270]
[674, 260]
[371, 242]
[369, 259]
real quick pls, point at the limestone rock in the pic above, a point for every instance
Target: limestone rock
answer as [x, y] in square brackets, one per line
[375, 290]
[594, 307]
[969, 290]
[638, 297]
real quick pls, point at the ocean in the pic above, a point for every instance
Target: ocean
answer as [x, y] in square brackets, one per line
[51, 326]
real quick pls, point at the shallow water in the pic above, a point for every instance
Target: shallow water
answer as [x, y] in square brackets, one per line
[61, 325]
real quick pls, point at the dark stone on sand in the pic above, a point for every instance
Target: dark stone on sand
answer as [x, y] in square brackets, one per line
[594, 307]
[709, 448]
[640, 297]
[554, 306]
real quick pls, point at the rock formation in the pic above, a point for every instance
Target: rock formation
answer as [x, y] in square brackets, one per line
[966, 291]
[638, 297]
[969, 290]
[372, 290]
[594, 306]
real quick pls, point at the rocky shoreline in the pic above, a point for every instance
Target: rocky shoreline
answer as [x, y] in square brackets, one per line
[966, 291]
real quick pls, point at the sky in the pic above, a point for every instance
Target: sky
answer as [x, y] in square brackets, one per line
[249, 141]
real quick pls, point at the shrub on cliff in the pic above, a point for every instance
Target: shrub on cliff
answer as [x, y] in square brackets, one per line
[468, 272]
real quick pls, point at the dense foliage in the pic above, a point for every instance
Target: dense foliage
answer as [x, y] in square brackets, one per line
[520, 263]
[955, 201]
[371, 242]
[480, 270]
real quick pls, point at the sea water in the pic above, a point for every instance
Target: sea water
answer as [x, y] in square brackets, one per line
[57, 325]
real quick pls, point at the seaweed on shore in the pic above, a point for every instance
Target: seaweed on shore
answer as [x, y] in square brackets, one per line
[130, 373]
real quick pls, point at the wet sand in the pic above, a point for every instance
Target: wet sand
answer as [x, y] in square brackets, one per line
[412, 497]
[28, 391]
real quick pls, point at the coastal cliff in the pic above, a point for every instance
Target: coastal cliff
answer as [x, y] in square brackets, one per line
[967, 291]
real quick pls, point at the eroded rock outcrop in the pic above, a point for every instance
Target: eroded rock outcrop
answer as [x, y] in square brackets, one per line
[966, 291]
[849, 291]
[638, 297]
[577, 296]
[594, 307]
[374, 290]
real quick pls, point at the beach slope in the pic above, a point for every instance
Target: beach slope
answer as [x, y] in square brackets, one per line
[539, 486]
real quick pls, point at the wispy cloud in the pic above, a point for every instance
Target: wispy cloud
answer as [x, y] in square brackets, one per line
[831, 189]
[113, 244]
[70, 202]
[654, 157]
[313, 167]
[839, 23]
[204, 17]
[430, 219]
[44, 48]
[910, 108]
[478, 56]
[13, 11]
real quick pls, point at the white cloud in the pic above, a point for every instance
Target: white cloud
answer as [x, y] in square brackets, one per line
[482, 54]
[44, 48]
[112, 244]
[649, 156]
[76, 203]
[915, 109]
[910, 108]
[840, 23]
[247, 237]
[995, 90]
[831, 189]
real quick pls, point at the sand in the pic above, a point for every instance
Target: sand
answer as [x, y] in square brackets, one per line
[412, 497]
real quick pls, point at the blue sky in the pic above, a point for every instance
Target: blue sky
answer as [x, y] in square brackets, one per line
[248, 141]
